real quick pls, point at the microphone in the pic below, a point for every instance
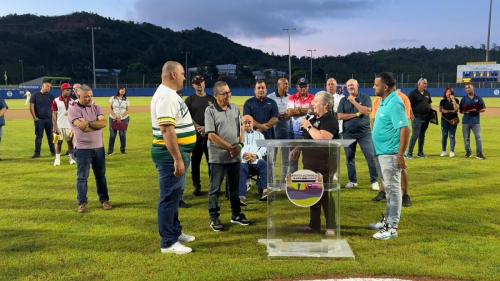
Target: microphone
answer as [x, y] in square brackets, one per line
[309, 115]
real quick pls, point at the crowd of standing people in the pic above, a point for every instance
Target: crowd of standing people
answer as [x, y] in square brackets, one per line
[202, 124]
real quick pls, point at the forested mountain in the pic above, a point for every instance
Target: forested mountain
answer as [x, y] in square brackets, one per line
[61, 45]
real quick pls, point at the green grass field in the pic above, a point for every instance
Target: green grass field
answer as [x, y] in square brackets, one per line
[452, 231]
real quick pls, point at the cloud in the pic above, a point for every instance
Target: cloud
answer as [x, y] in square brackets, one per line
[246, 18]
[401, 41]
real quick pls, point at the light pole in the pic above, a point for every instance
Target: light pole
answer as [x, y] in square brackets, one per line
[489, 29]
[93, 51]
[187, 71]
[289, 30]
[22, 70]
[311, 76]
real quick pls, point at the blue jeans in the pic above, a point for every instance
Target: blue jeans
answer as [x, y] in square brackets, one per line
[217, 173]
[171, 188]
[84, 159]
[259, 169]
[112, 137]
[40, 126]
[448, 130]
[391, 177]
[476, 128]
[366, 144]
[419, 127]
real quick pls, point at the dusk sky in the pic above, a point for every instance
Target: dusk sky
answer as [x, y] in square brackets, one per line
[332, 27]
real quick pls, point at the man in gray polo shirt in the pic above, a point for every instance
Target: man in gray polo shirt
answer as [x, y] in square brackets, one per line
[223, 128]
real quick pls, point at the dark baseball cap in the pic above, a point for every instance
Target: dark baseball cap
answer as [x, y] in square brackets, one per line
[302, 82]
[197, 79]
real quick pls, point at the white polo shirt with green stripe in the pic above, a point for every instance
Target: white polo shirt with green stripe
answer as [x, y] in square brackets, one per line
[168, 108]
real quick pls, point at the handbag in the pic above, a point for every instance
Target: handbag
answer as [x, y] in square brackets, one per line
[119, 126]
[433, 117]
[453, 121]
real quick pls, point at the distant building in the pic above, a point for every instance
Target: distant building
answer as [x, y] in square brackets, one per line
[258, 75]
[193, 70]
[227, 70]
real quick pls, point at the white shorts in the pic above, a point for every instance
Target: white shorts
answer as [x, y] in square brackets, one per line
[66, 135]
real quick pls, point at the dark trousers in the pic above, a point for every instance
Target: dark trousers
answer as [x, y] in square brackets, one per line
[112, 137]
[40, 126]
[200, 148]
[419, 127]
[217, 173]
[169, 225]
[326, 203]
[95, 158]
[246, 170]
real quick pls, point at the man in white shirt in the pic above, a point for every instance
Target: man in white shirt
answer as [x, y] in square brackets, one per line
[61, 128]
[331, 88]
[252, 160]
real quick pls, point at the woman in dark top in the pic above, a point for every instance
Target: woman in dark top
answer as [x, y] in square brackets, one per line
[322, 126]
[449, 120]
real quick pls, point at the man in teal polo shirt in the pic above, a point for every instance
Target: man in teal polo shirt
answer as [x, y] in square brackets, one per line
[390, 138]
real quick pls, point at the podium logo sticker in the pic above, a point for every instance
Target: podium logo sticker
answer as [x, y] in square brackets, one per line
[304, 188]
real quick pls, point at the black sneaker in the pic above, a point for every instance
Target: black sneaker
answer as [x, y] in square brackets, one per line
[380, 196]
[468, 155]
[240, 219]
[123, 152]
[197, 192]
[183, 204]
[216, 225]
[36, 155]
[421, 155]
[481, 157]
[406, 200]
[264, 195]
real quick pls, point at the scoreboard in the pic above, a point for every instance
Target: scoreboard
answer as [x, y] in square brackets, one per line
[478, 72]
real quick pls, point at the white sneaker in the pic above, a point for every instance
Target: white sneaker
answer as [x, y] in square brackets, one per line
[375, 186]
[350, 185]
[386, 233]
[72, 161]
[330, 232]
[452, 154]
[378, 225]
[177, 248]
[185, 238]
[57, 162]
[443, 153]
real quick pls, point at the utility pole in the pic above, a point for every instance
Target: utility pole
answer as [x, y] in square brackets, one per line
[289, 30]
[489, 30]
[311, 76]
[92, 28]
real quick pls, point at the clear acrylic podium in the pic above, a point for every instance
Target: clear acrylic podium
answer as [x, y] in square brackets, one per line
[301, 174]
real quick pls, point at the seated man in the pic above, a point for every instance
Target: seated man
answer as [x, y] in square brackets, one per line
[252, 162]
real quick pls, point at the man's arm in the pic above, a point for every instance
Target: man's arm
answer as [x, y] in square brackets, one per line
[54, 122]
[32, 111]
[2, 111]
[403, 145]
[220, 142]
[170, 139]
[361, 108]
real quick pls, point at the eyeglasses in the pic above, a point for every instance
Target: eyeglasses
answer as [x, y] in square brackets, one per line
[247, 122]
[225, 93]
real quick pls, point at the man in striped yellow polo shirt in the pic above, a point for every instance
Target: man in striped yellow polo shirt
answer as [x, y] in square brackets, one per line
[174, 138]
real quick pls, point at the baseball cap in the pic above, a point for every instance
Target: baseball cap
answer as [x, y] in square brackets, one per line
[302, 82]
[65, 86]
[197, 79]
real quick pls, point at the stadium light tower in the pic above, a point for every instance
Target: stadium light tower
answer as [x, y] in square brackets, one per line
[289, 30]
[92, 28]
[489, 29]
[311, 76]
